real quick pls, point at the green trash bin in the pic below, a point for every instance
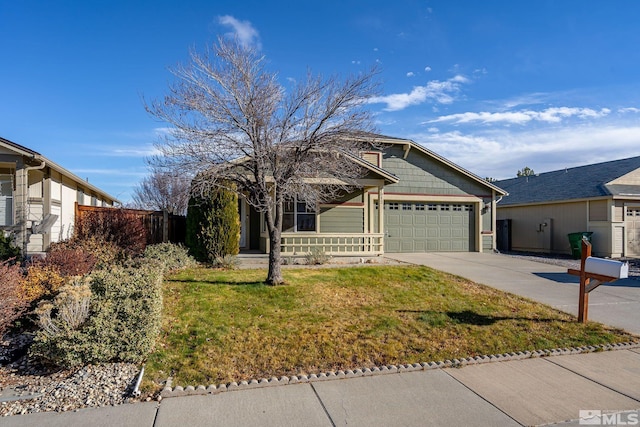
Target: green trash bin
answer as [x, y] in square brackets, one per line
[575, 241]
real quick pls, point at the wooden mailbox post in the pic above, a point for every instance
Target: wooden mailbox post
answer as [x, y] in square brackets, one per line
[593, 272]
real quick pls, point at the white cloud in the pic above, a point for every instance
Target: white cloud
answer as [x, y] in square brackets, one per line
[243, 30]
[500, 153]
[629, 110]
[410, 74]
[427, 68]
[437, 91]
[549, 115]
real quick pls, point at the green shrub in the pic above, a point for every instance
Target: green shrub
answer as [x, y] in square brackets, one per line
[317, 257]
[7, 248]
[227, 262]
[125, 315]
[170, 255]
[213, 225]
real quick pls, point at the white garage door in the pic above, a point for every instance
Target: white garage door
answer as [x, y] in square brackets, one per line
[633, 231]
[428, 227]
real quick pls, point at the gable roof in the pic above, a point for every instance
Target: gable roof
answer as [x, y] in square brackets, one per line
[24, 151]
[382, 139]
[582, 182]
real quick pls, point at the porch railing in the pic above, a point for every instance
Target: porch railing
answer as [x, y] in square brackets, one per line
[333, 244]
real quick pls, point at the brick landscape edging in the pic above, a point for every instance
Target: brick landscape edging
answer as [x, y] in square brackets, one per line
[177, 391]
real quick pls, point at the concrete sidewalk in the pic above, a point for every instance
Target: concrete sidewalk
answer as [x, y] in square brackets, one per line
[530, 391]
[524, 392]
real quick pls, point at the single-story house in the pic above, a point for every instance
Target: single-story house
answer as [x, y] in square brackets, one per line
[38, 198]
[604, 199]
[429, 204]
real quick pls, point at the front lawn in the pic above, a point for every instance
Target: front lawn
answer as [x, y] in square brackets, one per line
[223, 326]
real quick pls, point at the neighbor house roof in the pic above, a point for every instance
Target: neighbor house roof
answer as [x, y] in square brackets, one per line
[582, 182]
[24, 151]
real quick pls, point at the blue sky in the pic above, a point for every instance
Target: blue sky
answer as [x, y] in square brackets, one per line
[493, 86]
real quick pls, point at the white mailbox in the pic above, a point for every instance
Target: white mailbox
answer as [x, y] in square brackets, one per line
[606, 267]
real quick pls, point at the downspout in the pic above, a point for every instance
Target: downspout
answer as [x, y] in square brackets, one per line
[25, 198]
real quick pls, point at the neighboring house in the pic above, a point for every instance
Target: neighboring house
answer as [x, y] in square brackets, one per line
[429, 205]
[602, 198]
[38, 197]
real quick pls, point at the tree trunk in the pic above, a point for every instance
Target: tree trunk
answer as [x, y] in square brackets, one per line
[274, 277]
[274, 226]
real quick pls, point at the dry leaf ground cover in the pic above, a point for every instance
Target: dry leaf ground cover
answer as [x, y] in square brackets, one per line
[223, 326]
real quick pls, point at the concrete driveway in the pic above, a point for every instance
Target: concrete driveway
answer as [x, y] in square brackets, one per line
[615, 304]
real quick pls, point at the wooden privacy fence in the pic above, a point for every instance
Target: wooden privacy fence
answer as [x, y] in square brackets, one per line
[161, 226]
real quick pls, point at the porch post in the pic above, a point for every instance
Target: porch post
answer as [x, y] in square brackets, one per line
[381, 209]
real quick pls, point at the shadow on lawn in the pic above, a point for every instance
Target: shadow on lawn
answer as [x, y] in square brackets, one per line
[218, 282]
[468, 317]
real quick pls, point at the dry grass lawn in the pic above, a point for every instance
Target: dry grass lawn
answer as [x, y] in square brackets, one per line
[223, 326]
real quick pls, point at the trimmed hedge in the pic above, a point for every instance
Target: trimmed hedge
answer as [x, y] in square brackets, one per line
[124, 319]
[170, 256]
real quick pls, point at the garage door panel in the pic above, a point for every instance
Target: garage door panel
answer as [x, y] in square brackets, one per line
[445, 220]
[428, 227]
[407, 245]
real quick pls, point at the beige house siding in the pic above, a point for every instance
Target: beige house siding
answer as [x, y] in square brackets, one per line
[40, 188]
[529, 232]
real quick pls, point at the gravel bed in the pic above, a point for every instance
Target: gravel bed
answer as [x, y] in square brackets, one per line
[61, 390]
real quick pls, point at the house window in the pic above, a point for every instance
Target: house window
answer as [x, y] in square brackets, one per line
[457, 208]
[432, 207]
[80, 196]
[393, 206]
[298, 217]
[406, 206]
[468, 208]
[445, 207]
[419, 206]
[94, 201]
[6, 200]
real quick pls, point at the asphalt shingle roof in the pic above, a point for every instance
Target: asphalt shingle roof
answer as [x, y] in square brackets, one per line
[573, 183]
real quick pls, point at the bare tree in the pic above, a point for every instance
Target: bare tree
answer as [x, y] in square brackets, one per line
[232, 122]
[163, 191]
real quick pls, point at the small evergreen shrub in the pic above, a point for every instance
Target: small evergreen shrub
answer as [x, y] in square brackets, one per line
[7, 248]
[213, 225]
[227, 262]
[13, 303]
[317, 257]
[170, 255]
[124, 320]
